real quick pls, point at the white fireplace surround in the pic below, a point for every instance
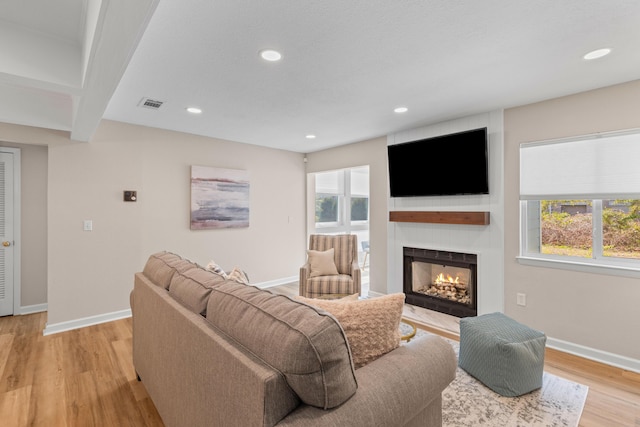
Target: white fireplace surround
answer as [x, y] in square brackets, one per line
[486, 241]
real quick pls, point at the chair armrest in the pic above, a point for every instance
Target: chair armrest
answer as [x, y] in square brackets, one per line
[392, 390]
[356, 274]
[305, 271]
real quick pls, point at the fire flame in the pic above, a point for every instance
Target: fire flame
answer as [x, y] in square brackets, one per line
[441, 279]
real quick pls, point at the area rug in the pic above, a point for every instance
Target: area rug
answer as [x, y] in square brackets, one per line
[467, 402]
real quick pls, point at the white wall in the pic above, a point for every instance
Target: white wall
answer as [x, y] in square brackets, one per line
[90, 274]
[485, 241]
[594, 315]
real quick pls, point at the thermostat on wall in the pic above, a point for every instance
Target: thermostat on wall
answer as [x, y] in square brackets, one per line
[130, 196]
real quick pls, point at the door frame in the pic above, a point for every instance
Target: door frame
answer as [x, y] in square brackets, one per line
[343, 225]
[16, 228]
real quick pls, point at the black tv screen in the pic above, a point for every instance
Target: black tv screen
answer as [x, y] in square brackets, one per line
[444, 165]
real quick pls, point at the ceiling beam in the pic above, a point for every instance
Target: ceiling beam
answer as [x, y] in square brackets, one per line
[118, 31]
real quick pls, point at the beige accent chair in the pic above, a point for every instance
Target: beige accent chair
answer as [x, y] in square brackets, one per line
[347, 281]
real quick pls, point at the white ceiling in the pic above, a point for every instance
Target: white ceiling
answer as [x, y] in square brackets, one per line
[346, 65]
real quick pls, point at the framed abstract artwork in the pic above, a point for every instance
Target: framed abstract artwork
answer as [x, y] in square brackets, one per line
[219, 198]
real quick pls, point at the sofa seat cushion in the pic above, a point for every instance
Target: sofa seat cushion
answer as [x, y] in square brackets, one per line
[193, 286]
[372, 325]
[305, 344]
[321, 285]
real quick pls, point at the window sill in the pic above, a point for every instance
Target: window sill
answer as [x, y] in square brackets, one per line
[585, 267]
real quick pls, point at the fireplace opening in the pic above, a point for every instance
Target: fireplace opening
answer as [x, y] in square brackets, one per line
[441, 281]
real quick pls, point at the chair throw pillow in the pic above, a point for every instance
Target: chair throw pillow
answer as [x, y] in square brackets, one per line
[372, 326]
[322, 263]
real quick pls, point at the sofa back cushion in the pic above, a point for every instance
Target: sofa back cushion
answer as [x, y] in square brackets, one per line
[306, 345]
[193, 286]
[161, 266]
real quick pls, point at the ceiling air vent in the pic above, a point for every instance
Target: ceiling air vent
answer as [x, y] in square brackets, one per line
[150, 103]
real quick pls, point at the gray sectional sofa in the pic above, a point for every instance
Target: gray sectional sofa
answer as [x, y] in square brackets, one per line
[214, 352]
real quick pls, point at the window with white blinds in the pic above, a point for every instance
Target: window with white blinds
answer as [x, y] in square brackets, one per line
[601, 166]
[580, 202]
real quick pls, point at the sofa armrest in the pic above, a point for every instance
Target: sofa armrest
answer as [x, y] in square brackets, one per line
[393, 390]
[195, 374]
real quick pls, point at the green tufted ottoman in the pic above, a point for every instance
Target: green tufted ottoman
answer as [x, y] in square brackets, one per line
[506, 356]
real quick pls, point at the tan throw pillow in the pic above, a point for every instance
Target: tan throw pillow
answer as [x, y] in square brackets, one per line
[372, 326]
[239, 276]
[322, 263]
[214, 267]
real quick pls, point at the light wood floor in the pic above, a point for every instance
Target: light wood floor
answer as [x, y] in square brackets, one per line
[85, 377]
[78, 378]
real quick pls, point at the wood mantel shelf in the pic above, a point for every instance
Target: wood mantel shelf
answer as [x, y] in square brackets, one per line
[440, 217]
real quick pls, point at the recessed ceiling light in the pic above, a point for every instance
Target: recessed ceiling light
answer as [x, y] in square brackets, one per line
[194, 110]
[599, 53]
[270, 55]
[400, 110]
[310, 136]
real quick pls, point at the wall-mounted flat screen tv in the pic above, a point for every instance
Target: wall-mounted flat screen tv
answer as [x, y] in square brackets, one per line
[444, 165]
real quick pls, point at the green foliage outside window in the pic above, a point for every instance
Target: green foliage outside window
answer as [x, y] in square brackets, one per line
[359, 208]
[572, 234]
[326, 208]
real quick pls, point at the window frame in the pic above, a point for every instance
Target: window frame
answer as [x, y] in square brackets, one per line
[345, 196]
[339, 221]
[530, 223]
[358, 221]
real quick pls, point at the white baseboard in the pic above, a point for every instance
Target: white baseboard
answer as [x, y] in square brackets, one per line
[605, 357]
[86, 321]
[108, 317]
[276, 282]
[375, 294]
[30, 309]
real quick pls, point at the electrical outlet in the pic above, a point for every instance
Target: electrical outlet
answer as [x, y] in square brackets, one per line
[521, 299]
[87, 225]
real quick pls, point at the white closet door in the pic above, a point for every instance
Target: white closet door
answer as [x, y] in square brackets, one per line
[6, 234]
